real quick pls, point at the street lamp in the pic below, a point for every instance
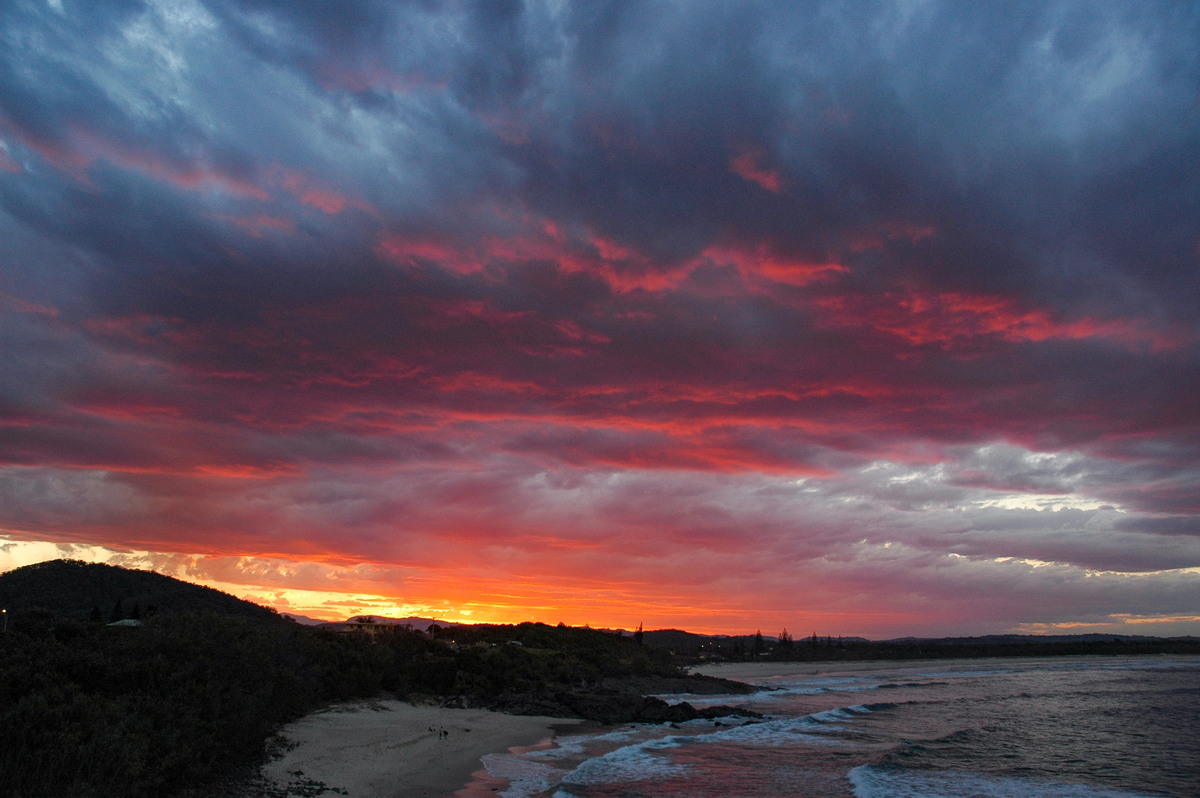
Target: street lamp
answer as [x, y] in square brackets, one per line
[5, 614]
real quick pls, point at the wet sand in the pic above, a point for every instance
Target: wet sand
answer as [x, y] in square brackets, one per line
[385, 749]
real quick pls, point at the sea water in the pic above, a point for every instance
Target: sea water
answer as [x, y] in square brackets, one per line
[1067, 728]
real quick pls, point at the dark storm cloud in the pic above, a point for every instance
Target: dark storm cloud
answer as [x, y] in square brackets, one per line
[964, 121]
[967, 119]
[851, 286]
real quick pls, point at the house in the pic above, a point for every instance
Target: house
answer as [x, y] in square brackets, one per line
[373, 626]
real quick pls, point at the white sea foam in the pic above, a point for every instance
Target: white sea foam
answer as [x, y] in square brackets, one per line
[525, 778]
[653, 760]
[777, 693]
[638, 762]
[707, 723]
[567, 747]
[809, 729]
[870, 781]
[840, 713]
[771, 734]
[644, 761]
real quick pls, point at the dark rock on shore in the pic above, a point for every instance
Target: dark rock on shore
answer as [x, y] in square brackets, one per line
[694, 684]
[611, 706]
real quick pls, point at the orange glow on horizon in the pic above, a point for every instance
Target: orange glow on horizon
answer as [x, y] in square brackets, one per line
[335, 592]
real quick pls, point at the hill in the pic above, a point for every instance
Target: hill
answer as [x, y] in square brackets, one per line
[1018, 639]
[82, 591]
[168, 707]
[164, 708]
[691, 648]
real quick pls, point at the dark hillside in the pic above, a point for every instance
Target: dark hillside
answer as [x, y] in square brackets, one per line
[152, 710]
[675, 639]
[164, 708]
[81, 591]
[91, 711]
[694, 649]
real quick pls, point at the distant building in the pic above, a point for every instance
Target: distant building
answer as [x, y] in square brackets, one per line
[373, 626]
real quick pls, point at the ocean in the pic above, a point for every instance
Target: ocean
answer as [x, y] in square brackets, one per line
[1064, 727]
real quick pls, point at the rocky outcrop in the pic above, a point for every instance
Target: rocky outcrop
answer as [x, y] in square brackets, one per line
[694, 684]
[611, 706]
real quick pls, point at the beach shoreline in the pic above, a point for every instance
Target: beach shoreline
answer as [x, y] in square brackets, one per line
[393, 749]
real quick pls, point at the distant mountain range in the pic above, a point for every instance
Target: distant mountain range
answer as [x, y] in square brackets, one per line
[83, 590]
[999, 640]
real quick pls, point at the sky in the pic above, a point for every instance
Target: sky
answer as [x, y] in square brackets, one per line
[870, 318]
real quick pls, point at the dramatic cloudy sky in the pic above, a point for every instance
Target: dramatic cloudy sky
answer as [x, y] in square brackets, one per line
[857, 318]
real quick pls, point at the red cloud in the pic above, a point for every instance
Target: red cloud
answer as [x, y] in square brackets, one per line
[760, 263]
[748, 166]
[412, 251]
[57, 152]
[25, 306]
[312, 193]
[953, 319]
[623, 268]
[83, 147]
[190, 176]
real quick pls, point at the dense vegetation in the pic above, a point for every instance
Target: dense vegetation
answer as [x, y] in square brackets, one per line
[196, 687]
[88, 709]
[691, 649]
[91, 710]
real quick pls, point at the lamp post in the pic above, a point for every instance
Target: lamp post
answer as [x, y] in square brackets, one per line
[5, 614]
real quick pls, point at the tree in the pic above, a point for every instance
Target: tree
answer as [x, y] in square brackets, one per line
[638, 635]
[757, 647]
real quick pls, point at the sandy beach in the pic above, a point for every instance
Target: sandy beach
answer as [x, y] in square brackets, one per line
[386, 749]
[392, 749]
